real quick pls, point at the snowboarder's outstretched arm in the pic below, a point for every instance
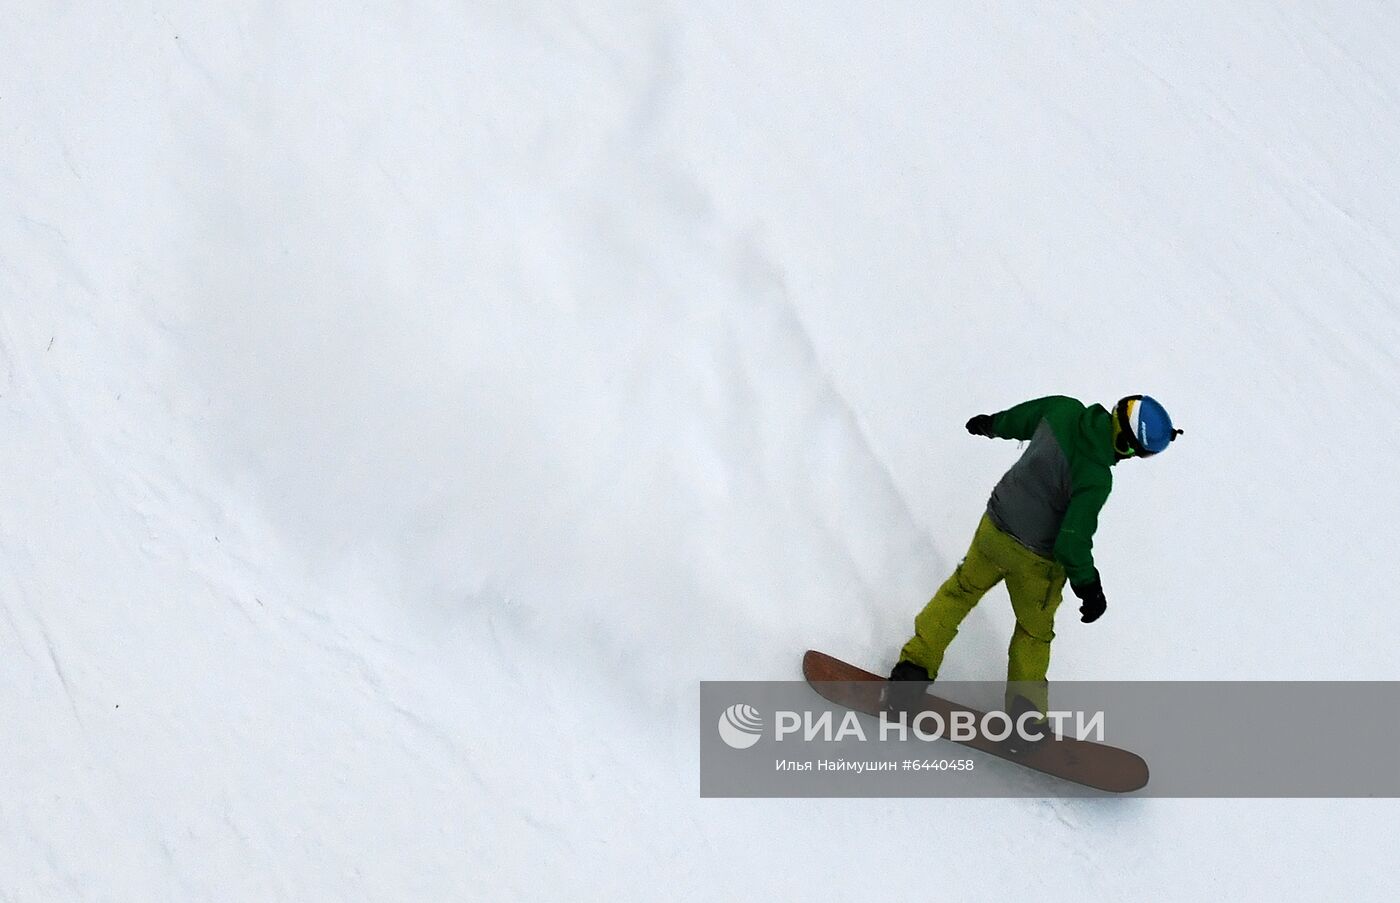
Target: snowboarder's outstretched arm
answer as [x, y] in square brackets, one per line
[1018, 422]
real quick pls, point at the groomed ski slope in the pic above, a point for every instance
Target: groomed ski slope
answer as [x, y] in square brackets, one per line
[403, 407]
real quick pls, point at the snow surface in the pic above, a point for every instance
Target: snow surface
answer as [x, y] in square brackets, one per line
[403, 407]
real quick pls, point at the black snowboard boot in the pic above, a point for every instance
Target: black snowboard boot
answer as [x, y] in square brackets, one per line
[908, 682]
[1016, 744]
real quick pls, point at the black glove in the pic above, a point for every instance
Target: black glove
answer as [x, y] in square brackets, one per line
[981, 425]
[1093, 603]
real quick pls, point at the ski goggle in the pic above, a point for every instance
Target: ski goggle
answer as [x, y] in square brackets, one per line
[1124, 442]
[1124, 445]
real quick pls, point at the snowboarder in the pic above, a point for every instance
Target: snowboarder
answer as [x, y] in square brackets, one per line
[1037, 532]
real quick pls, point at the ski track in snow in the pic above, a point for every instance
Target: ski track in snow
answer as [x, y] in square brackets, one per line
[404, 409]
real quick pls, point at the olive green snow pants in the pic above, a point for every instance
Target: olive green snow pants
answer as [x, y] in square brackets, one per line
[1035, 584]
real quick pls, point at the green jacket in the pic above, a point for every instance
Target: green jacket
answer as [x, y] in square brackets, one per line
[1050, 499]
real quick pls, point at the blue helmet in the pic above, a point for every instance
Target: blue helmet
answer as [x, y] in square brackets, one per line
[1144, 428]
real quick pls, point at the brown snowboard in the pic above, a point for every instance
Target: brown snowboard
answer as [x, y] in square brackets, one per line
[1096, 765]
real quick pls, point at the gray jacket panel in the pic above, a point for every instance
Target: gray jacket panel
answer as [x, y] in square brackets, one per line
[1030, 500]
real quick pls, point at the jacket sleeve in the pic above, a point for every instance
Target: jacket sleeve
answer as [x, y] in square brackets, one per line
[1020, 421]
[1074, 547]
